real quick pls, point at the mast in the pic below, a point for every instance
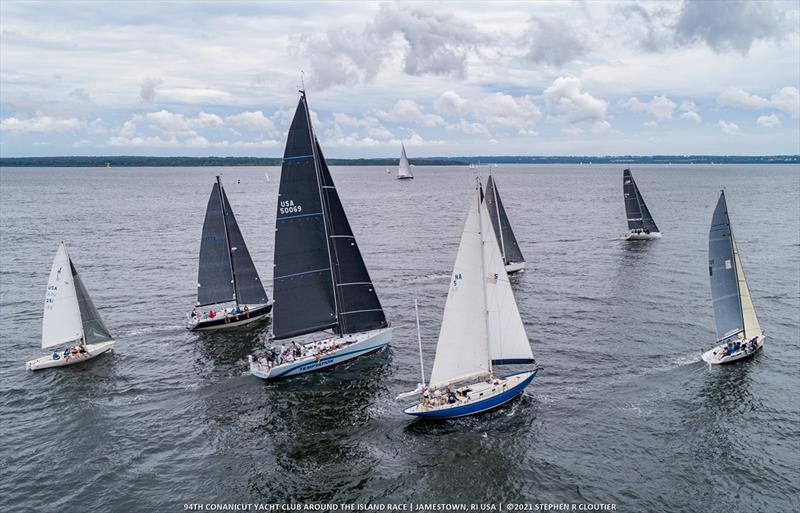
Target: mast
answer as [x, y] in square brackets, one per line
[325, 213]
[499, 221]
[227, 240]
[483, 271]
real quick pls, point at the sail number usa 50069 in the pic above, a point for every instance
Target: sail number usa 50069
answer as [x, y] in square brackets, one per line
[288, 207]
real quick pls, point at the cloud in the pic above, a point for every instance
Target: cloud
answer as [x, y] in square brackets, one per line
[255, 120]
[566, 96]
[128, 128]
[659, 106]
[408, 110]
[601, 127]
[80, 94]
[172, 123]
[692, 116]
[770, 121]
[450, 104]
[144, 142]
[787, 99]
[728, 128]
[341, 57]
[371, 125]
[552, 41]
[147, 90]
[729, 24]
[40, 124]
[469, 128]
[505, 110]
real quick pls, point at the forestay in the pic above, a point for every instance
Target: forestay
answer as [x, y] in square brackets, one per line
[638, 214]
[722, 270]
[507, 241]
[61, 322]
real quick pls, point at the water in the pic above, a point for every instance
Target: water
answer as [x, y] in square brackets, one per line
[624, 411]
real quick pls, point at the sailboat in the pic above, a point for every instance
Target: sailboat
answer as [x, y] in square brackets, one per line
[640, 222]
[738, 333]
[507, 241]
[70, 318]
[320, 281]
[226, 273]
[404, 169]
[481, 329]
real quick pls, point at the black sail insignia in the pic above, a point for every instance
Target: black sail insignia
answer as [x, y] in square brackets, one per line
[247, 284]
[638, 215]
[502, 226]
[303, 279]
[215, 272]
[94, 329]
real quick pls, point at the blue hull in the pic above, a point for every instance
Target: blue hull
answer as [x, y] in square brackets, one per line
[476, 407]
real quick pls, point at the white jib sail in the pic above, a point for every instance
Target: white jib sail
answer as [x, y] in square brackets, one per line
[61, 323]
[463, 349]
[508, 342]
[751, 326]
[404, 169]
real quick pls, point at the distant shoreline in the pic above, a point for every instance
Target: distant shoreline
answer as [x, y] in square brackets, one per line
[134, 161]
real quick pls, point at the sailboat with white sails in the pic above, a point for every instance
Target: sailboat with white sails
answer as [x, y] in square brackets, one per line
[507, 241]
[640, 222]
[404, 168]
[739, 334]
[320, 281]
[226, 278]
[70, 318]
[481, 329]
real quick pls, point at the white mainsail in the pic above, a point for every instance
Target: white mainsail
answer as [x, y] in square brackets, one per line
[62, 316]
[462, 351]
[750, 321]
[404, 169]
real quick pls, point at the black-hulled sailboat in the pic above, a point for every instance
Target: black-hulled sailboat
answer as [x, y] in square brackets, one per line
[509, 249]
[640, 222]
[320, 282]
[229, 291]
[739, 334]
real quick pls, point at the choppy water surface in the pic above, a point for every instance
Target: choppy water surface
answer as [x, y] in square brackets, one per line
[624, 411]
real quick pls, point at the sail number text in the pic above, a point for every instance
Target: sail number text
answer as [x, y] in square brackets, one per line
[288, 207]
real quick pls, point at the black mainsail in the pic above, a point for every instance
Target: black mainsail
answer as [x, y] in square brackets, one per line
[226, 271]
[639, 217]
[502, 227]
[320, 280]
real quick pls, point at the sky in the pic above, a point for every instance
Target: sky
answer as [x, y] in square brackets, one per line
[446, 78]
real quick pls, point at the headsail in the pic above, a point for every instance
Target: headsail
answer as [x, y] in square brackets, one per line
[320, 280]
[750, 322]
[61, 322]
[404, 168]
[722, 270]
[639, 217]
[215, 270]
[506, 239]
[247, 285]
[94, 329]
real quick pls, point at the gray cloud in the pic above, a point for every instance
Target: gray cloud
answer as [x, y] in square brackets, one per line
[552, 41]
[147, 91]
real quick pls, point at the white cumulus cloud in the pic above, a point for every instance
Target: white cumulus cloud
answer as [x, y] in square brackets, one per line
[728, 128]
[566, 96]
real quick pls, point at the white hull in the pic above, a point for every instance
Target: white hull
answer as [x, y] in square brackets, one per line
[348, 348]
[714, 355]
[643, 236]
[513, 267]
[47, 362]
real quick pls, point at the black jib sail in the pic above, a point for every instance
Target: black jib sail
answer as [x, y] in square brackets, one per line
[320, 280]
[94, 329]
[502, 227]
[639, 217]
[226, 271]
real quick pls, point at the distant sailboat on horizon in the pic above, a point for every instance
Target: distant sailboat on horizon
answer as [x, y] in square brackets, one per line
[507, 241]
[226, 273]
[640, 222]
[404, 168]
[70, 318]
[737, 326]
[481, 329]
[320, 282]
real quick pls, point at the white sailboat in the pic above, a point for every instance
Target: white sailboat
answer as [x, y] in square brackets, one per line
[481, 329]
[739, 334]
[404, 168]
[70, 319]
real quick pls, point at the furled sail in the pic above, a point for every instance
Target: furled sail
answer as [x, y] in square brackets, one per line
[94, 329]
[722, 269]
[61, 323]
[404, 169]
[639, 217]
[506, 239]
[320, 280]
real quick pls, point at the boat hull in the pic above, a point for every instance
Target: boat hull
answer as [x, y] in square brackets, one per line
[712, 356]
[405, 177]
[643, 236]
[47, 362]
[479, 401]
[514, 267]
[353, 346]
[255, 314]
